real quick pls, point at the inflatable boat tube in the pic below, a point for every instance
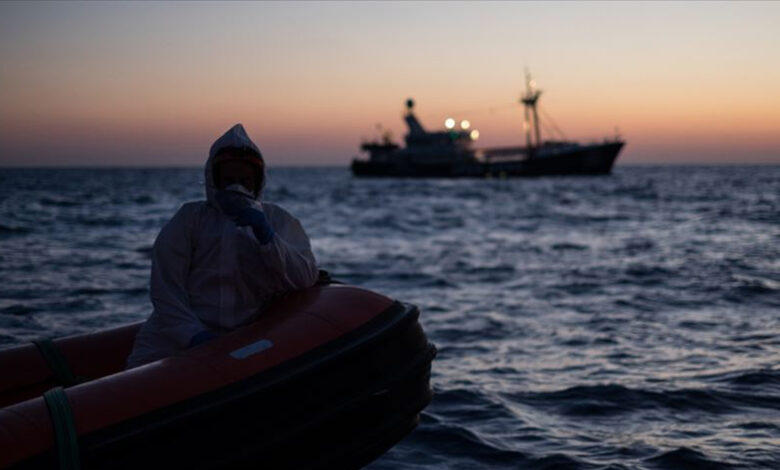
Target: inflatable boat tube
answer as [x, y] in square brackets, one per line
[329, 377]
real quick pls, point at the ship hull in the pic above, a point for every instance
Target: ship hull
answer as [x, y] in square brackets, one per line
[596, 159]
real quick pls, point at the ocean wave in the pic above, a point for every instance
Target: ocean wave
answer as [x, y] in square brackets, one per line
[568, 246]
[18, 309]
[465, 448]
[143, 200]
[658, 272]
[611, 400]
[560, 460]
[14, 230]
[60, 202]
[758, 426]
[102, 221]
[636, 303]
[78, 305]
[686, 458]
[579, 288]
[475, 329]
[582, 219]
[145, 250]
[756, 338]
[764, 377]
[756, 285]
[401, 278]
[470, 404]
[483, 272]
[90, 291]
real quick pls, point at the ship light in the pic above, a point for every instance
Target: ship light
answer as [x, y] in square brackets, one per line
[474, 134]
[449, 123]
[464, 124]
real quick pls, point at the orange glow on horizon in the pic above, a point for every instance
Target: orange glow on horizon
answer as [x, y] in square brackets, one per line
[310, 83]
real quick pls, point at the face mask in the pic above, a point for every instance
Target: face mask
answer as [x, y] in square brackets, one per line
[237, 188]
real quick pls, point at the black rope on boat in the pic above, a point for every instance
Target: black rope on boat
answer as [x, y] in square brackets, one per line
[65, 438]
[57, 363]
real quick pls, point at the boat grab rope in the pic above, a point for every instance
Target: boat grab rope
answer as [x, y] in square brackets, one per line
[57, 363]
[65, 438]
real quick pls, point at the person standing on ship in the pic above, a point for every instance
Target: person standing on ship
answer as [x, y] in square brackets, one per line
[217, 262]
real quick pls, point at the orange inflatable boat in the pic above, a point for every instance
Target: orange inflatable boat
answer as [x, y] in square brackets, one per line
[330, 377]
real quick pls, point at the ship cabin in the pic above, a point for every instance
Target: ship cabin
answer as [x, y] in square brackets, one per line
[447, 146]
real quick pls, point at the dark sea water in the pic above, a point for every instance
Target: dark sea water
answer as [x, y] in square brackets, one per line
[626, 321]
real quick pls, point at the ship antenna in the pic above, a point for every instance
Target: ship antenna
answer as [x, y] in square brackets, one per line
[529, 99]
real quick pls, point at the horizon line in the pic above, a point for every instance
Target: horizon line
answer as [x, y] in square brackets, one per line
[331, 165]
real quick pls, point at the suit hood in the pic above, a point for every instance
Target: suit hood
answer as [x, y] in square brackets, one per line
[235, 138]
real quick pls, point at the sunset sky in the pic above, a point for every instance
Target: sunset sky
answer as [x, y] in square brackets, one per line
[155, 83]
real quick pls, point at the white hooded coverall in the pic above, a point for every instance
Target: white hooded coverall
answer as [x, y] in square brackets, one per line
[210, 275]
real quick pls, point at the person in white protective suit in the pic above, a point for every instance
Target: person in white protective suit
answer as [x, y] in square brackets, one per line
[217, 262]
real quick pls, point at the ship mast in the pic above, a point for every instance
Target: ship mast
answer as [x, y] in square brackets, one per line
[529, 99]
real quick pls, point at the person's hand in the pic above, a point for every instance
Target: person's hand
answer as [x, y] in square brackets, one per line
[256, 219]
[241, 211]
[231, 202]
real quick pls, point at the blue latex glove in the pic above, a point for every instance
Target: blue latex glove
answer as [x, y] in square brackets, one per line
[241, 211]
[201, 337]
[256, 219]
